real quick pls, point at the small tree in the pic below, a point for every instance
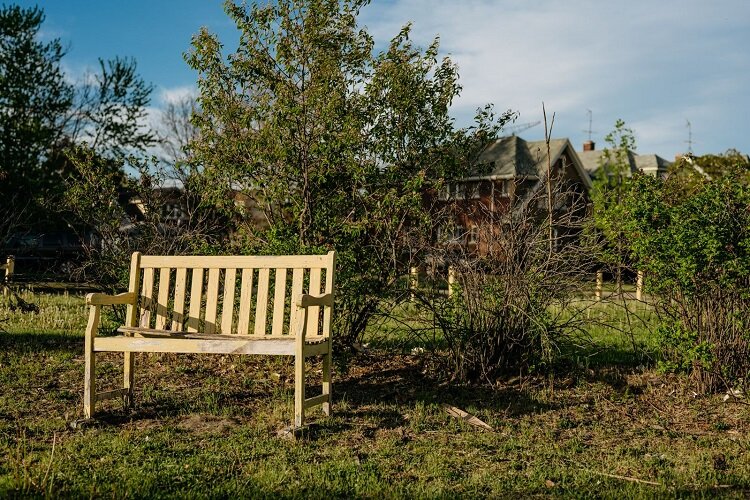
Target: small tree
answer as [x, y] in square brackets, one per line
[129, 213]
[335, 144]
[609, 185]
[34, 99]
[43, 115]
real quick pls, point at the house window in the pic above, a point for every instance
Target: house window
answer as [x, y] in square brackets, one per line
[473, 190]
[502, 188]
[473, 238]
[450, 234]
[460, 191]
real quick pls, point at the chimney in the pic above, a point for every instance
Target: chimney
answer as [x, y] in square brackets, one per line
[588, 145]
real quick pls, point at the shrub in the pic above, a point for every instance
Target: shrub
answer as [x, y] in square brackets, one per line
[517, 296]
[690, 234]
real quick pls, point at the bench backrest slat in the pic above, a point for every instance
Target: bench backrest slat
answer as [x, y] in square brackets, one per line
[227, 304]
[196, 297]
[238, 262]
[298, 281]
[313, 312]
[163, 298]
[243, 322]
[261, 303]
[279, 308]
[212, 300]
[231, 295]
[131, 314]
[147, 294]
[180, 288]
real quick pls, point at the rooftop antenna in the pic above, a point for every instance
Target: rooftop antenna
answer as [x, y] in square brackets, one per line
[591, 119]
[690, 137]
[515, 129]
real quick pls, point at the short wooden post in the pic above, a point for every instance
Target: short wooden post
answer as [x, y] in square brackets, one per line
[413, 281]
[639, 286]
[451, 280]
[599, 285]
[9, 264]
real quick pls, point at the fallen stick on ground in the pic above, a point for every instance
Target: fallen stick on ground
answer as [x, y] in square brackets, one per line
[467, 417]
[624, 478]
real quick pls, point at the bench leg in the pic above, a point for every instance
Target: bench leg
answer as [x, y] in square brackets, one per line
[299, 390]
[128, 378]
[89, 384]
[89, 372]
[327, 358]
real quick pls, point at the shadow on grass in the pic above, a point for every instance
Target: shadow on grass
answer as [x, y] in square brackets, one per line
[40, 342]
[375, 388]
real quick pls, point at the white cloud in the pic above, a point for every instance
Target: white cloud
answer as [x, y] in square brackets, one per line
[176, 94]
[653, 64]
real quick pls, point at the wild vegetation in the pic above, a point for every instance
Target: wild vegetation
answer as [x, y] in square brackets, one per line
[598, 423]
[306, 139]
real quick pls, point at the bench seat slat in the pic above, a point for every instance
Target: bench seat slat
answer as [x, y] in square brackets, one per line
[192, 345]
[152, 332]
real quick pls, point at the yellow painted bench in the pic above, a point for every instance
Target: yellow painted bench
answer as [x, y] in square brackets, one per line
[276, 305]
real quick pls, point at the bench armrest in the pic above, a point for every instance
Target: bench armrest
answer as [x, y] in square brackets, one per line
[103, 299]
[307, 300]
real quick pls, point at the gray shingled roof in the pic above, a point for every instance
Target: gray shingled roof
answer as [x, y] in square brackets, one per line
[510, 157]
[649, 163]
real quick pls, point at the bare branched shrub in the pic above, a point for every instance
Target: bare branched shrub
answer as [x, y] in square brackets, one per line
[518, 281]
[151, 213]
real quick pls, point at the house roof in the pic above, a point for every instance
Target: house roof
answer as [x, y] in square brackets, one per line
[512, 157]
[648, 163]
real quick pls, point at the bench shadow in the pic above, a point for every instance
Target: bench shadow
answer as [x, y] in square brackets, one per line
[377, 388]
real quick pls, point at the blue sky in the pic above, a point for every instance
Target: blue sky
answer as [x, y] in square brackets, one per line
[653, 64]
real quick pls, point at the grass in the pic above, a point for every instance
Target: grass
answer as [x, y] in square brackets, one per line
[205, 426]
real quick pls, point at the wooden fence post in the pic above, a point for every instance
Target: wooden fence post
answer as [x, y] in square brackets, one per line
[9, 265]
[599, 285]
[413, 281]
[639, 286]
[451, 280]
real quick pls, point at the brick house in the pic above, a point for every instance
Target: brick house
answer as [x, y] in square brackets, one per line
[508, 169]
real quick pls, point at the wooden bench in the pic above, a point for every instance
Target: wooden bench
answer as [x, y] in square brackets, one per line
[221, 305]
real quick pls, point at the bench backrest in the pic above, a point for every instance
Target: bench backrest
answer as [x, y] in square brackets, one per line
[246, 295]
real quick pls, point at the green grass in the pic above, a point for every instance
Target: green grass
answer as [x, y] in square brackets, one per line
[205, 426]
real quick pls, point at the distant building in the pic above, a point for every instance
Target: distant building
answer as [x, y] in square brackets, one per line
[650, 164]
[510, 168]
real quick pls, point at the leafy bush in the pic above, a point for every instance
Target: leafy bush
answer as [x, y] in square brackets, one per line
[690, 234]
